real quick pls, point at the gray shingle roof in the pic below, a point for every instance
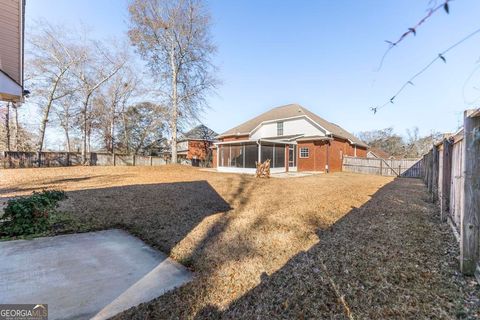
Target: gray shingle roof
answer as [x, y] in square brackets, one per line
[200, 132]
[288, 111]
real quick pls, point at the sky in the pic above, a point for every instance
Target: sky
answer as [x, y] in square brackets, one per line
[323, 55]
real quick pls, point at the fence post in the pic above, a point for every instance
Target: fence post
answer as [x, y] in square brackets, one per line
[430, 169]
[469, 231]
[151, 161]
[435, 173]
[114, 159]
[446, 178]
[133, 161]
[39, 158]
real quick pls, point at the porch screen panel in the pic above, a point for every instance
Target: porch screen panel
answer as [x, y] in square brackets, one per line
[251, 155]
[279, 156]
[267, 153]
[224, 154]
[236, 159]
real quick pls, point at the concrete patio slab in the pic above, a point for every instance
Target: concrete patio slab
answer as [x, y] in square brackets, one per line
[89, 275]
[295, 174]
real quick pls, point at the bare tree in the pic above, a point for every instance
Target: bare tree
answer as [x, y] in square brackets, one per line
[144, 126]
[65, 115]
[15, 107]
[111, 102]
[50, 59]
[97, 67]
[7, 127]
[174, 38]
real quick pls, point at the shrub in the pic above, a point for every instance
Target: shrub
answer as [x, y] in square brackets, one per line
[30, 215]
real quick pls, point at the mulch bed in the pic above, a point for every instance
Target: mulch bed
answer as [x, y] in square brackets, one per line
[326, 246]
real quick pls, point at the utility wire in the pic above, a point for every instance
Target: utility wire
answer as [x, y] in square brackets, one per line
[440, 56]
[413, 30]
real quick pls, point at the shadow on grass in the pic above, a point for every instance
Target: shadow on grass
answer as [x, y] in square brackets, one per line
[389, 258]
[160, 214]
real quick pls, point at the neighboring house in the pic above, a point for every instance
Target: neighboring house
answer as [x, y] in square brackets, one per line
[378, 153]
[12, 27]
[196, 144]
[292, 137]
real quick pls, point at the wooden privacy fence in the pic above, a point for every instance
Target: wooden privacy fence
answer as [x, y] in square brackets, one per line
[17, 159]
[452, 176]
[412, 168]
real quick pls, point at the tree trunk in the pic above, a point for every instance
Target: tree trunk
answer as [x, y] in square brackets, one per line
[89, 134]
[15, 108]
[84, 138]
[112, 131]
[67, 138]
[7, 126]
[43, 125]
[173, 124]
[125, 133]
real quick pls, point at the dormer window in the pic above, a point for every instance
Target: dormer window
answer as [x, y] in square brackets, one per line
[280, 128]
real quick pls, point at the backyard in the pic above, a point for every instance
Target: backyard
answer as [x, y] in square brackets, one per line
[323, 246]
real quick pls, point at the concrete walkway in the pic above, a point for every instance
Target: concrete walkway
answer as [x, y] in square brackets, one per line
[82, 276]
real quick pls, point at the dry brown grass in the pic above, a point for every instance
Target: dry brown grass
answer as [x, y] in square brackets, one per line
[253, 243]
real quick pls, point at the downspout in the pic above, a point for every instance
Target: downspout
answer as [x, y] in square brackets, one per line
[327, 167]
[259, 151]
[355, 150]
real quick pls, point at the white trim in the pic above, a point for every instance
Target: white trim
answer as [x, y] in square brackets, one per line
[277, 141]
[300, 153]
[291, 118]
[247, 170]
[234, 142]
[255, 141]
[8, 87]
[21, 44]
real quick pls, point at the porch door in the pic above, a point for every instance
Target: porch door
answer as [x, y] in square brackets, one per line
[292, 158]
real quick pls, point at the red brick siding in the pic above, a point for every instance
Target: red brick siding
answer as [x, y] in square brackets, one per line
[214, 157]
[233, 138]
[319, 150]
[197, 149]
[317, 157]
[361, 152]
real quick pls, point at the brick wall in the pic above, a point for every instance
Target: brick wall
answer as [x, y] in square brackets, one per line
[319, 150]
[317, 157]
[198, 149]
[214, 157]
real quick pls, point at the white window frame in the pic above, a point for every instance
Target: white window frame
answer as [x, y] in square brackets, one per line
[304, 149]
[279, 127]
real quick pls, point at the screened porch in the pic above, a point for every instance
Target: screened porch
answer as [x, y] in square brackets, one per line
[241, 156]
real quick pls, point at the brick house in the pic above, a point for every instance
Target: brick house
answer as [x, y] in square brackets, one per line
[292, 137]
[196, 145]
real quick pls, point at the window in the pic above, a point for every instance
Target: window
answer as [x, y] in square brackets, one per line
[304, 152]
[280, 128]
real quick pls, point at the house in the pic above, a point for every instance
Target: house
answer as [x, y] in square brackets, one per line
[292, 137]
[12, 27]
[379, 154]
[195, 145]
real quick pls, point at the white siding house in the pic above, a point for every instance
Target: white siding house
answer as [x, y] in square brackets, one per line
[11, 49]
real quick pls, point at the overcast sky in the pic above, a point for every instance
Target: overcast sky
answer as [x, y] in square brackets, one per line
[323, 55]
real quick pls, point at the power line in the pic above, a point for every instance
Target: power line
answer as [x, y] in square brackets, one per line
[413, 30]
[440, 56]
